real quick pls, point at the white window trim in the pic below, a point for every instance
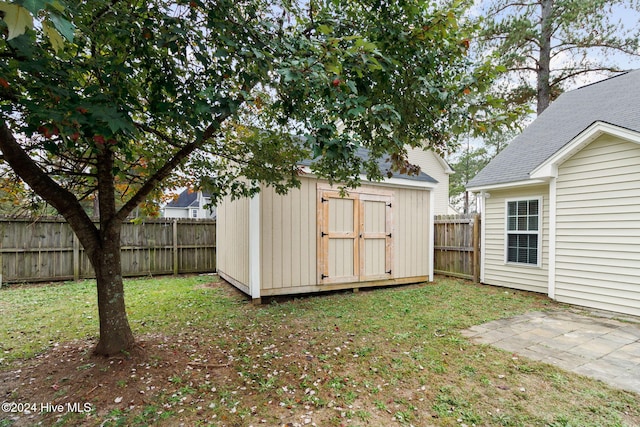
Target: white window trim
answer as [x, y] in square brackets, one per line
[539, 233]
[194, 211]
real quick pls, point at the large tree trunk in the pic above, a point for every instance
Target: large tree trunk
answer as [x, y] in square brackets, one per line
[544, 61]
[115, 332]
[101, 245]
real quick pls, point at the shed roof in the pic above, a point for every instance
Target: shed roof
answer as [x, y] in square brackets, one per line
[614, 100]
[385, 166]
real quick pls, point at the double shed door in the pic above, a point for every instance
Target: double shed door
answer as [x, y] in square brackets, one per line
[355, 237]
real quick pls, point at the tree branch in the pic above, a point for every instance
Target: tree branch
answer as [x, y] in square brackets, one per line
[57, 196]
[169, 166]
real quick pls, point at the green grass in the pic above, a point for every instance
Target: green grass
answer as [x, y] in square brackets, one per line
[34, 318]
[391, 356]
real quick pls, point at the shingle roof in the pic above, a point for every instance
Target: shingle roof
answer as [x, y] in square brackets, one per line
[615, 100]
[385, 165]
[188, 198]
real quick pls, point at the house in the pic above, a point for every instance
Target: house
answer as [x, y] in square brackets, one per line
[313, 240]
[561, 204]
[440, 170]
[190, 204]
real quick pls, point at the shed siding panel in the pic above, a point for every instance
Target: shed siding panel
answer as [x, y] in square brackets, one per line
[233, 239]
[497, 271]
[598, 227]
[288, 237]
[411, 222]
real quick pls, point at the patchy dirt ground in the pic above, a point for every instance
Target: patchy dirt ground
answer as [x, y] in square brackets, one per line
[184, 379]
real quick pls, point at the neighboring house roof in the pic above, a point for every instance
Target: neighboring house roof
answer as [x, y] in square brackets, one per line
[385, 165]
[187, 199]
[614, 101]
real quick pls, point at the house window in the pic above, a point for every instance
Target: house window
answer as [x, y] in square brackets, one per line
[523, 231]
[194, 213]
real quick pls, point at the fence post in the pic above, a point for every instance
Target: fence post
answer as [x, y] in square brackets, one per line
[175, 246]
[76, 257]
[476, 248]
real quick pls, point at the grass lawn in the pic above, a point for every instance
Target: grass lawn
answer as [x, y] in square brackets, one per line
[207, 356]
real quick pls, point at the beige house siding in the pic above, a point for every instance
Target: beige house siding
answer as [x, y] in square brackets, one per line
[232, 241]
[288, 247]
[598, 227]
[413, 235]
[496, 270]
[433, 166]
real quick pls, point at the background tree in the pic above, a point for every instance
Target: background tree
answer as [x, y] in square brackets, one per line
[471, 159]
[116, 98]
[546, 44]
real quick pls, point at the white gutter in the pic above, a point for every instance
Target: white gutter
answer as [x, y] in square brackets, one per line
[507, 185]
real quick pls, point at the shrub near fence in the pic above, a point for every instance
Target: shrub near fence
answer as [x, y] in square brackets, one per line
[457, 246]
[47, 249]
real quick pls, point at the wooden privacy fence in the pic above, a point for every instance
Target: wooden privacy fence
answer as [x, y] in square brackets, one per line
[457, 246]
[47, 249]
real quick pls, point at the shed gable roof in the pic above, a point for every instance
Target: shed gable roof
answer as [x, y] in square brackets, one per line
[385, 166]
[615, 101]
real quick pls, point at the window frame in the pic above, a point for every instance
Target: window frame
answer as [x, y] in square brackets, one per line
[538, 232]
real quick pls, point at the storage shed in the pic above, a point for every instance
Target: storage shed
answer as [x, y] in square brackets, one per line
[561, 204]
[314, 240]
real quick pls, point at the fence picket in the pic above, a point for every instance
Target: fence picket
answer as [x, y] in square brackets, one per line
[457, 246]
[46, 249]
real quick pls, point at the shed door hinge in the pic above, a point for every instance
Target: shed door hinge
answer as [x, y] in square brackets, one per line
[388, 272]
[322, 234]
[322, 199]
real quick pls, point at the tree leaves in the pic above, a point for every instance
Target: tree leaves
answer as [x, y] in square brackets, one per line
[54, 37]
[17, 18]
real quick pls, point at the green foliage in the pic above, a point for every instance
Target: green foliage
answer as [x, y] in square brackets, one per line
[232, 82]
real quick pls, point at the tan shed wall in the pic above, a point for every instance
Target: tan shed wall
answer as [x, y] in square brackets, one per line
[412, 233]
[496, 270]
[233, 240]
[289, 241]
[598, 227]
[288, 225]
[430, 164]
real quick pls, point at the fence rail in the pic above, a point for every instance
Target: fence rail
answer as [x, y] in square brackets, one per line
[47, 249]
[457, 246]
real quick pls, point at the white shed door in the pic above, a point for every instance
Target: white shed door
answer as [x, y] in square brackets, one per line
[354, 237]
